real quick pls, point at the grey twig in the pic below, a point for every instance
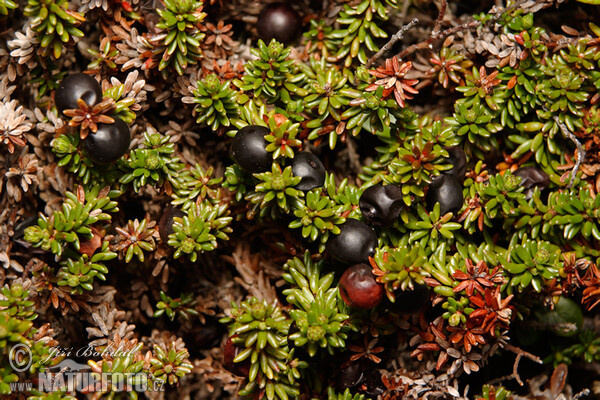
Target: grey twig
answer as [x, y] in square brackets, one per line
[427, 42]
[580, 150]
[583, 393]
[438, 34]
[396, 37]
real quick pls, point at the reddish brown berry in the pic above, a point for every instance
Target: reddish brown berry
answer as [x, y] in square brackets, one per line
[230, 352]
[359, 289]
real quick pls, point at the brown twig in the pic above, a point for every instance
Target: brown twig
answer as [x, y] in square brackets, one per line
[495, 381]
[440, 18]
[520, 353]
[395, 37]
[500, 379]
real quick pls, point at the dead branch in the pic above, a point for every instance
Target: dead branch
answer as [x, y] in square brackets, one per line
[440, 18]
[437, 34]
[520, 353]
[580, 150]
[445, 33]
[395, 38]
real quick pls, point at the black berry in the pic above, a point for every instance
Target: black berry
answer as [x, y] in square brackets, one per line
[75, 87]
[373, 385]
[249, 149]
[355, 243]
[411, 301]
[359, 289]
[351, 376]
[381, 205]
[446, 190]
[165, 225]
[458, 159]
[532, 177]
[310, 168]
[108, 143]
[279, 21]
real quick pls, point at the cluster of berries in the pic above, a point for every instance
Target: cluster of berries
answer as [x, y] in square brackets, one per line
[109, 141]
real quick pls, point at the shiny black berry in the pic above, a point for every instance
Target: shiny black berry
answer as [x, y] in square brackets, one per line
[446, 190]
[75, 87]
[351, 376]
[359, 289]
[279, 21]
[249, 149]
[165, 225]
[458, 159]
[532, 177]
[310, 168]
[355, 243]
[108, 143]
[381, 205]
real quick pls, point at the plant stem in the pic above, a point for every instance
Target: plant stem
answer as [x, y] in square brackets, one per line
[395, 38]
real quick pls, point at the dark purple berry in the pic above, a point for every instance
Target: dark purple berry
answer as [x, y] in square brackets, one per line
[381, 205]
[108, 143]
[355, 243]
[249, 149]
[532, 177]
[75, 87]
[230, 352]
[446, 190]
[359, 289]
[165, 225]
[458, 159]
[279, 21]
[310, 168]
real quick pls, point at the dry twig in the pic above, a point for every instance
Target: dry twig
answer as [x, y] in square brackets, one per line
[437, 34]
[580, 150]
[395, 38]
[520, 353]
[440, 18]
